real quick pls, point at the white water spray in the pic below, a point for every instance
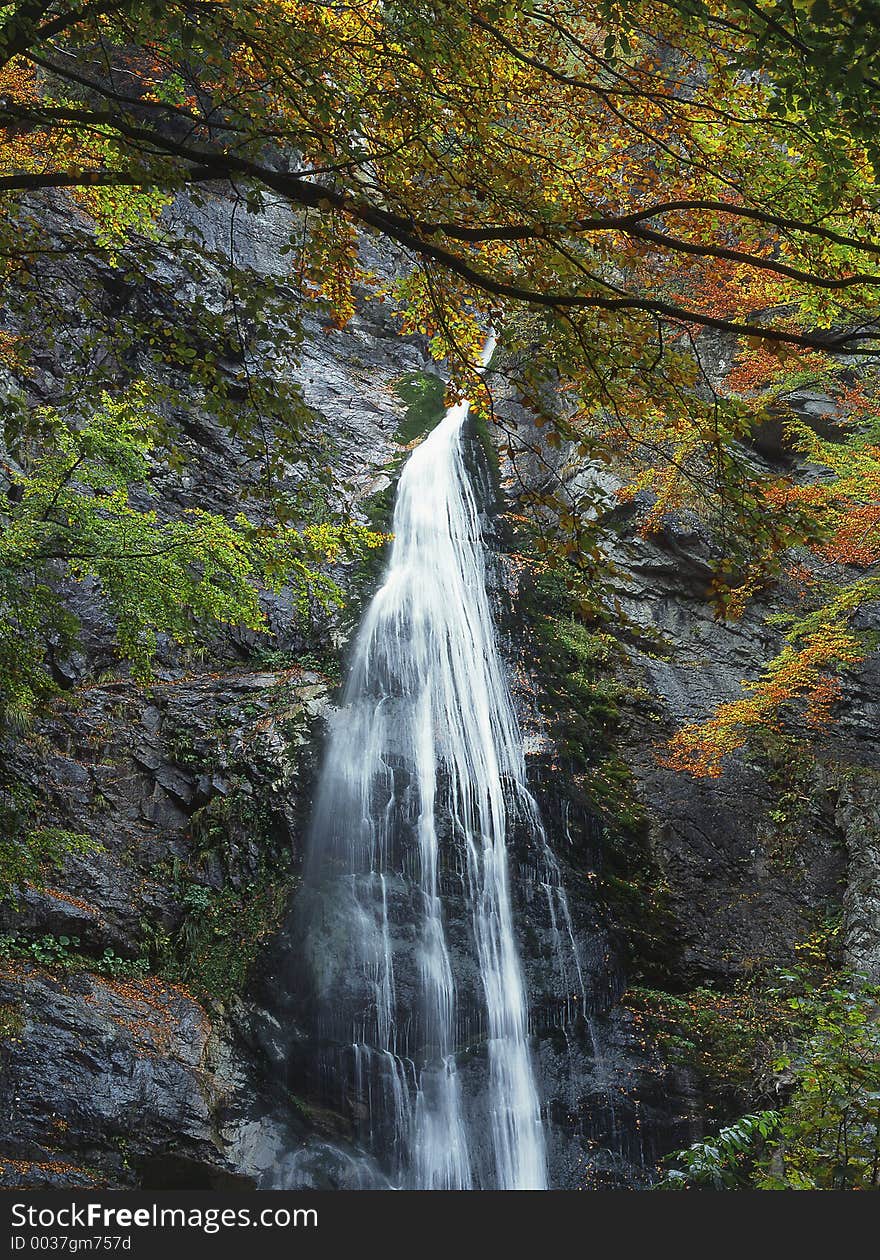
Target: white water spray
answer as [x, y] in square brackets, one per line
[425, 757]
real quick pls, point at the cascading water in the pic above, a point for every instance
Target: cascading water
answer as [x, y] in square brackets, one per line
[410, 930]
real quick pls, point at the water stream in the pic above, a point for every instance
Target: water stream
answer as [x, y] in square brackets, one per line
[420, 994]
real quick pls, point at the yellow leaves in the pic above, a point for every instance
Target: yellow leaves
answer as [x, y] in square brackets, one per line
[798, 674]
[733, 601]
[118, 211]
[666, 484]
[447, 313]
[20, 150]
[451, 129]
[10, 350]
[332, 266]
[849, 501]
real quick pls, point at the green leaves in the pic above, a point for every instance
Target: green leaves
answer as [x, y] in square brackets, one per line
[722, 1162]
[28, 852]
[829, 1132]
[81, 515]
[64, 953]
[612, 176]
[826, 1134]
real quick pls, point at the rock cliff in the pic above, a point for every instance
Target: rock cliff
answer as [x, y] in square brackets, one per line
[149, 1036]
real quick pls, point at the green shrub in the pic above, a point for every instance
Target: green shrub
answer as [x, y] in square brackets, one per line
[63, 953]
[28, 849]
[222, 932]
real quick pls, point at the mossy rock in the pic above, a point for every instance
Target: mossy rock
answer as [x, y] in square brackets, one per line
[423, 393]
[11, 1021]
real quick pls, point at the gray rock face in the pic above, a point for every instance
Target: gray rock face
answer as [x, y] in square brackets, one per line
[133, 768]
[733, 873]
[858, 816]
[109, 1072]
[130, 1070]
[748, 874]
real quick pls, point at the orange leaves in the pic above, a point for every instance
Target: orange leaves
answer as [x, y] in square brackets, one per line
[33, 147]
[18, 80]
[817, 711]
[20, 149]
[499, 146]
[798, 675]
[784, 497]
[759, 368]
[668, 486]
[732, 600]
[849, 501]
[10, 350]
[856, 540]
[699, 749]
[722, 287]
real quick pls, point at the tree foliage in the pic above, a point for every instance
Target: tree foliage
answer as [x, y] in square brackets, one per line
[825, 1134]
[80, 512]
[829, 1137]
[610, 183]
[667, 209]
[718, 1163]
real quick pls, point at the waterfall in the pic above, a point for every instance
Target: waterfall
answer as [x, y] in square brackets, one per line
[411, 942]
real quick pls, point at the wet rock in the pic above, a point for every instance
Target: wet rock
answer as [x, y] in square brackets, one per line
[858, 816]
[127, 1082]
[104, 1070]
[196, 781]
[117, 1082]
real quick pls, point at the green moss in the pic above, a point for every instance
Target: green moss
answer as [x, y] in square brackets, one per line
[581, 667]
[481, 430]
[11, 1021]
[589, 694]
[278, 660]
[180, 742]
[222, 931]
[728, 1039]
[240, 817]
[214, 950]
[799, 783]
[637, 899]
[379, 509]
[423, 394]
[29, 849]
